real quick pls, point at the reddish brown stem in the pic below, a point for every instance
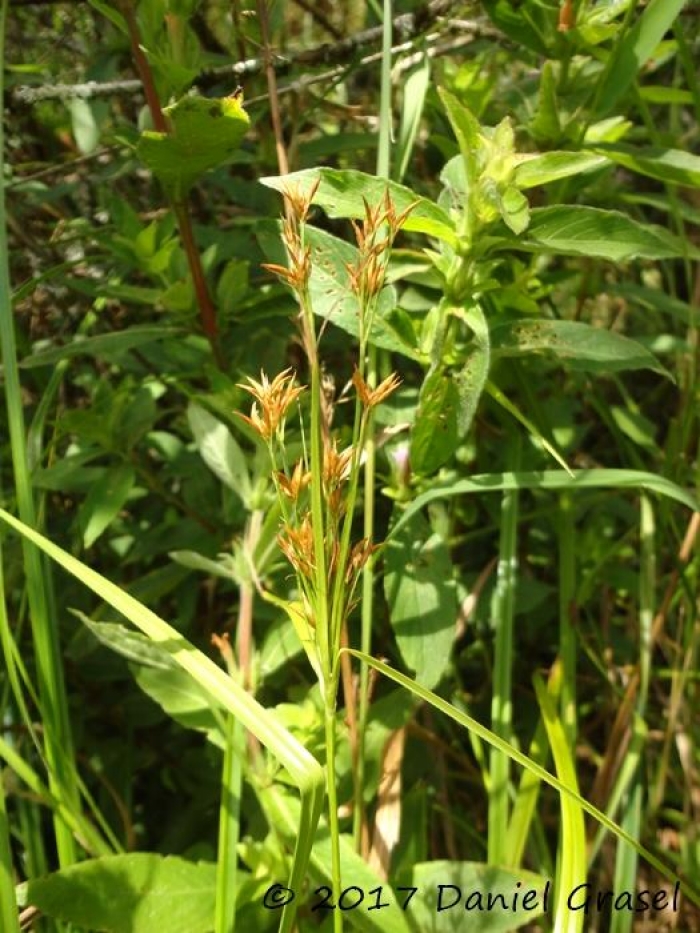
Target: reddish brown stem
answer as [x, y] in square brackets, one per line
[206, 307]
[282, 161]
[144, 70]
[207, 312]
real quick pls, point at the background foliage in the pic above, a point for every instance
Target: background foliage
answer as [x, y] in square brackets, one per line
[540, 307]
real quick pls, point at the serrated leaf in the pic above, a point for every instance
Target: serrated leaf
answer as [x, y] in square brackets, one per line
[422, 599]
[140, 892]
[204, 134]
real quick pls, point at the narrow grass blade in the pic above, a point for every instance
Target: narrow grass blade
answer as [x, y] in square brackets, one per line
[626, 858]
[502, 700]
[305, 771]
[8, 906]
[547, 480]
[567, 631]
[54, 705]
[229, 828]
[692, 893]
[513, 410]
[414, 92]
[526, 799]
[75, 825]
[572, 838]
[635, 49]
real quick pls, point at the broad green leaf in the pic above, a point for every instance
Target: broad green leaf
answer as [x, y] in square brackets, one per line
[551, 166]
[511, 19]
[584, 347]
[589, 231]
[332, 299]
[204, 134]
[667, 165]
[422, 599]
[70, 474]
[545, 124]
[129, 644]
[104, 501]
[547, 480]
[634, 51]
[343, 194]
[132, 415]
[467, 886]
[101, 345]
[662, 94]
[520, 758]
[280, 645]
[140, 892]
[515, 209]
[470, 378]
[86, 130]
[224, 567]
[435, 433]
[182, 699]
[220, 451]
[467, 130]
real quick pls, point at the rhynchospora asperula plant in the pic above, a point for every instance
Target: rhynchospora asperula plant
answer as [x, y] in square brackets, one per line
[317, 494]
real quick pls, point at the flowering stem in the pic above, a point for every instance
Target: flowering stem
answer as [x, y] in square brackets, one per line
[333, 822]
[360, 828]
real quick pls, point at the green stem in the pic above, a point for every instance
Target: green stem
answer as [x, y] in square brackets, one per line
[368, 576]
[317, 520]
[502, 701]
[8, 903]
[567, 632]
[333, 822]
[359, 820]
